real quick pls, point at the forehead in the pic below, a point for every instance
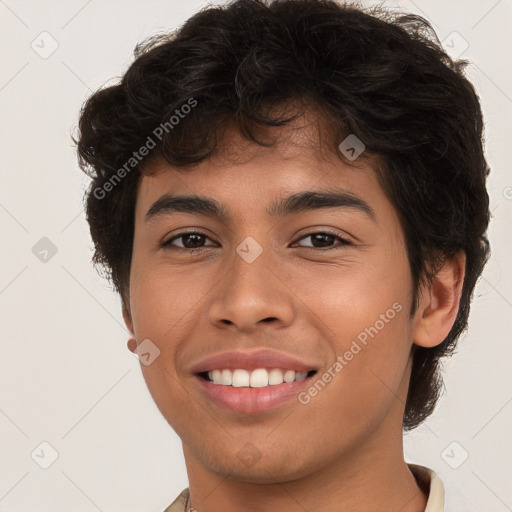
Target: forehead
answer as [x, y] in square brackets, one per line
[303, 157]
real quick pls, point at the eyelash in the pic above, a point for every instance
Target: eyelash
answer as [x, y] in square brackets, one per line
[343, 241]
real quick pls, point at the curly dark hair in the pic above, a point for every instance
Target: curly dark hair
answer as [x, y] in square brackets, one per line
[380, 75]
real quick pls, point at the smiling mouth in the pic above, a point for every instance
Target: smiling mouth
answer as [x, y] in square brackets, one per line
[258, 378]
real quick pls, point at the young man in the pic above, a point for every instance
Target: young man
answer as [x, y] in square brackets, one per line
[290, 199]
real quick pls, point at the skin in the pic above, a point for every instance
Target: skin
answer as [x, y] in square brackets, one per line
[343, 450]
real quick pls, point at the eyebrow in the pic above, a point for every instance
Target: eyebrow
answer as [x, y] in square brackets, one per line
[296, 203]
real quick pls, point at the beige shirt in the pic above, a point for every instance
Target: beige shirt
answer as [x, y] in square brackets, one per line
[425, 476]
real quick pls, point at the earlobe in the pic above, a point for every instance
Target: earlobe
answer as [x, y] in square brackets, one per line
[132, 344]
[439, 303]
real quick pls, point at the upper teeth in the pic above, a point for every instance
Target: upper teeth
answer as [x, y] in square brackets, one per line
[258, 378]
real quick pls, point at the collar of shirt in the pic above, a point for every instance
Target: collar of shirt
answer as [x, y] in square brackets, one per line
[423, 475]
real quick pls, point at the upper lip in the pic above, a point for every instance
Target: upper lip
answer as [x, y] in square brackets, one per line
[250, 360]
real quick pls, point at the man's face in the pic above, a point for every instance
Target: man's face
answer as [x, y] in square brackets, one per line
[307, 295]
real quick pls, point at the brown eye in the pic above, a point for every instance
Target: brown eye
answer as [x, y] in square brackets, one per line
[190, 240]
[324, 239]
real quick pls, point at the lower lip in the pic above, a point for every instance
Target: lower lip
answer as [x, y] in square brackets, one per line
[252, 400]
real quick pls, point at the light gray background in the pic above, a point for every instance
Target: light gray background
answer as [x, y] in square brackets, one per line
[66, 376]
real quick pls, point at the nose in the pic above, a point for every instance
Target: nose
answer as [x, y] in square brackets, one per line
[252, 294]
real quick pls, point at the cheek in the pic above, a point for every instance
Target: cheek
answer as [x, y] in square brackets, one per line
[165, 303]
[343, 299]
[162, 305]
[362, 314]
[163, 298]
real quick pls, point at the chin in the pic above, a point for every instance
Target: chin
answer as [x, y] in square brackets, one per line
[268, 469]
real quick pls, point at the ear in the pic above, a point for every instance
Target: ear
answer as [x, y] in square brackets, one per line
[132, 342]
[438, 303]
